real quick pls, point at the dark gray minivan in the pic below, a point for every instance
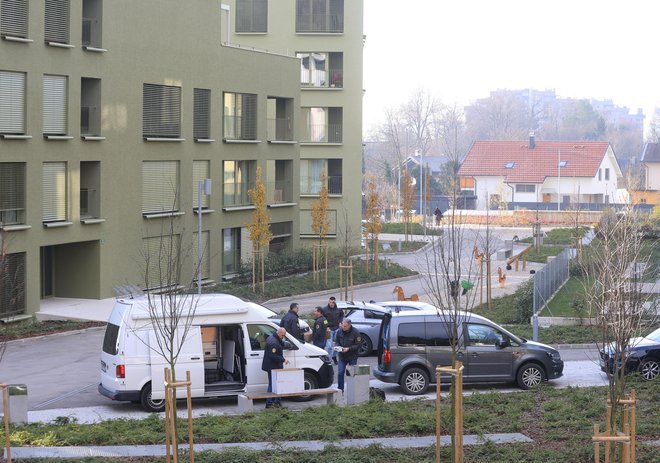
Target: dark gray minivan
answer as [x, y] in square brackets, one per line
[412, 344]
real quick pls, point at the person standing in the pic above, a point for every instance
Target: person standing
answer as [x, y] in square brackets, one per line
[320, 328]
[291, 322]
[334, 315]
[348, 343]
[274, 360]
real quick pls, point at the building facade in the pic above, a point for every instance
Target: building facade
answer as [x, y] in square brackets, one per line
[326, 36]
[112, 115]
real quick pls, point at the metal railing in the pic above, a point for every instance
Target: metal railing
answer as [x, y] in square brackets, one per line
[279, 191]
[322, 133]
[280, 129]
[334, 78]
[90, 32]
[312, 185]
[549, 279]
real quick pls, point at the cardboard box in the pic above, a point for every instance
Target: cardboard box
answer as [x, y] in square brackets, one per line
[288, 380]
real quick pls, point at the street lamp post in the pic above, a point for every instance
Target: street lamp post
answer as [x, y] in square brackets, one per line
[203, 187]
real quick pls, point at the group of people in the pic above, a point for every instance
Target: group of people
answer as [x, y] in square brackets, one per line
[330, 331]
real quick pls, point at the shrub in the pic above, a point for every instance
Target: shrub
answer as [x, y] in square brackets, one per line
[524, 301]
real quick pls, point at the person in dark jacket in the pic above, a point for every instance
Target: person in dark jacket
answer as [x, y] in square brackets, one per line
[319, 329]
[334, 315]
[347, 344]
[274, 360]
[291, 322]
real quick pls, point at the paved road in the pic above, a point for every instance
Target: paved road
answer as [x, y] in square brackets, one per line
[63, 371]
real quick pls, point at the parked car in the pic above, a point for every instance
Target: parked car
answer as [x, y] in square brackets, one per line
[643, 355]
[367, 316]
[412, 344]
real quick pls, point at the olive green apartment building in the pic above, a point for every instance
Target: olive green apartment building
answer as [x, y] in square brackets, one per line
[114, 113]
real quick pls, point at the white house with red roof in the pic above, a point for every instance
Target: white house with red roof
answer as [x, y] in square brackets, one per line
[547, 174]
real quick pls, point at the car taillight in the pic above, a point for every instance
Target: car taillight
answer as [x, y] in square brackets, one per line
[387, 357]
[121, 371]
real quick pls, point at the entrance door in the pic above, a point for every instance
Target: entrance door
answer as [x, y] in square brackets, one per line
[486, 361]
[190, 358]
[47, 263]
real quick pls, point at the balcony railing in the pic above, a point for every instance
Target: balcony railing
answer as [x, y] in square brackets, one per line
[88, 203]
[12, 216]
[88, 118]
[322, 133]
[280, 129]
[320, 23]
[279, 192]
[236, 194]
[322, 78]
[91, 32]
[312, 185]
[240, 128]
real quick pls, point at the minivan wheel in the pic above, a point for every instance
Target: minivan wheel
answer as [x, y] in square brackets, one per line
[650, 369]
[530, 375]
[311, 382]
[414, 381]
[365, 346]
[149, 404]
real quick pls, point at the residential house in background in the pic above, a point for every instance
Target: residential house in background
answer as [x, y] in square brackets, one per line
[542, 174]
[650, 162]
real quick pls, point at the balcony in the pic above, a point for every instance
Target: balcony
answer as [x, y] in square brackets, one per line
[279, 192]
[320, 78]
[280, 129]
[312, 185]
[322, 133]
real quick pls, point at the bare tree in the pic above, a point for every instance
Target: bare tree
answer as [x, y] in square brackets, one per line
[613, 270]
[419, 113]
[373, 224]
[653, 135]
[12, 284]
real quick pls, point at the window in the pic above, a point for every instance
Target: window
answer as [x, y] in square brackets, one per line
[607, 173]
[238, 179]
[12, 103]
[205, 265]
[412, 334]
[321, 69]
[510, 165]
[201, 114]
[54, 192]
[258, 335]
[201, 171]
[240, 116]
[110, 339]
[279, 112]
[306, 223]
[161, 111]
[437, 334]
[482, 335]
[12, 284]
[90, 184]
[320, 16]
[12, 193]
[231, 250]
[251, 15]
[161, 261]
[160, 187]
[55, 105]
[321, 125]
[522, 188]
[281, 239]
[563, 163]
[600, 174]
[92, 14]
[14, 18]
[90, 106]
[56, 28]
[310, 175]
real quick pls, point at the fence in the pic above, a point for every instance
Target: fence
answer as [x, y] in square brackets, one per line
[550, 278]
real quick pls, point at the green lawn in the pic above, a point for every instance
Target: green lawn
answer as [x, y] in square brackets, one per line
[562, 304]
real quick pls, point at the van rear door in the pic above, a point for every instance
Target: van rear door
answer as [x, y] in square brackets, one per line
[190, 359]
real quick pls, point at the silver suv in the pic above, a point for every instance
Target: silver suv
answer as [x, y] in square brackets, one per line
[412, 344]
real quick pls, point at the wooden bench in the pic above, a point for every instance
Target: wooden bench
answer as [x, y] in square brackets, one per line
[246, 401]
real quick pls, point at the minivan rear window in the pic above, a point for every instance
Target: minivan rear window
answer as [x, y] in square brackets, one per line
[111, 339]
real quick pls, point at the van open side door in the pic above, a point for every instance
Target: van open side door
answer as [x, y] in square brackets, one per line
[191, 358]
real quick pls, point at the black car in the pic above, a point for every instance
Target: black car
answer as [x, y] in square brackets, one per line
[643, 355]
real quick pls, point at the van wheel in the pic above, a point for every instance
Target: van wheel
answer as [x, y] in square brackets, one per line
[530, 375]
[365, 346]
[149, 404]
[311, 382]
[414, 381]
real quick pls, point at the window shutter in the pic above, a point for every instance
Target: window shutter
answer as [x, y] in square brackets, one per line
[160, 185]
[56, 28]
[200, 173]
[161, 115]
[251, 15]
[14, 18]
[202, 113]
[12, 102]
[161, 254]
[54, 192]
[249, 116]
[55, 105]
[12, 192]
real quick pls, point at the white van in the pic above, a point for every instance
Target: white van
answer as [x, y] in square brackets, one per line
[223, 351]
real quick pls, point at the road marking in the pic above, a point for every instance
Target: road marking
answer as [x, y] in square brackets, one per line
[65, 396]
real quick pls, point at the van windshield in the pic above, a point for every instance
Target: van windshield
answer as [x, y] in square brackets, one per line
[110, 340]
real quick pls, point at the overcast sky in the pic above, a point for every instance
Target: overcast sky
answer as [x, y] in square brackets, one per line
[460, 50]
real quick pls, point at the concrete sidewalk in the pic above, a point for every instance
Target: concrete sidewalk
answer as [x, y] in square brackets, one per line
[121, 451]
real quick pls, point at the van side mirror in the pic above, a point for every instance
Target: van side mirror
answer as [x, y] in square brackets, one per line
[288, 345]
[503, 343]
